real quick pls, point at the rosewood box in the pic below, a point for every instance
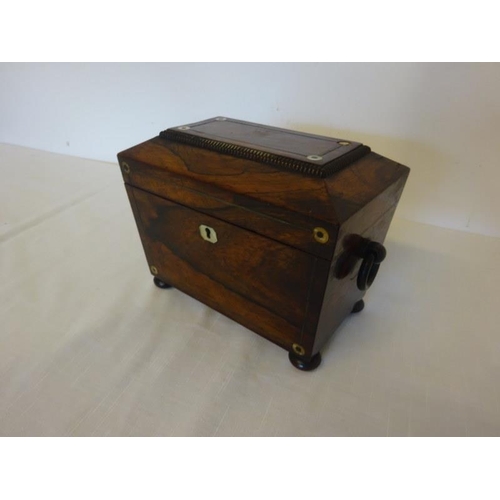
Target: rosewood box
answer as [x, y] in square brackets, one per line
[279, 230]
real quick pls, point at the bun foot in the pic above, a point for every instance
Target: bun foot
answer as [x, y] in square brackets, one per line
[358, 306]
[303, 364]
[161, 284]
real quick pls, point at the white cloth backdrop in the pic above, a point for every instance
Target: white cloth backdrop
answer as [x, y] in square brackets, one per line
[89, 346]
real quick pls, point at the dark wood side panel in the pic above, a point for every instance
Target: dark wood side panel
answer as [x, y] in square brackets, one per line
[254, 280]
[355, 186]
[370, 223]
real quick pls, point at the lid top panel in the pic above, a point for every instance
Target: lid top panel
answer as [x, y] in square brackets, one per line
[306, 153]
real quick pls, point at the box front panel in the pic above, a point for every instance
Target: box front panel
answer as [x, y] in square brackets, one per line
[232, 200]
[258, 282]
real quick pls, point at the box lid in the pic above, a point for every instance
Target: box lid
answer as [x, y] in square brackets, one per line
[260, 178]
[309, 154]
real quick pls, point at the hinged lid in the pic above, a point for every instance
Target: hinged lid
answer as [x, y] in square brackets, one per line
[249, 175]
[308, 154]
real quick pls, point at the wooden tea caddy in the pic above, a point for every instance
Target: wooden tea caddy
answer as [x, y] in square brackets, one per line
[279, 230]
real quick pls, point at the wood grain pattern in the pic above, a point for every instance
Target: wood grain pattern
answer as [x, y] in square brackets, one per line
[309, 154]
[280, 141]
[266, 271]
[371, 223]
[266, 186]
[241, 210]
[257, 281]
[342, 292]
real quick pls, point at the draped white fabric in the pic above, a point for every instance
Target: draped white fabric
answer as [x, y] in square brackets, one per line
[89, 346]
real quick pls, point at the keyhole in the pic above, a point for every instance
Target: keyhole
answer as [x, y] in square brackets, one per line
[208, 233]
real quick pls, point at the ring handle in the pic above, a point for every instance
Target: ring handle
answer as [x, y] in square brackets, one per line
[375, 253]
